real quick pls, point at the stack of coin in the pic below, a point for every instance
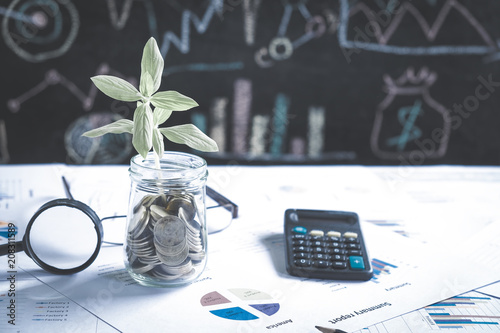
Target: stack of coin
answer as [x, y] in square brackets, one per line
[164, 240]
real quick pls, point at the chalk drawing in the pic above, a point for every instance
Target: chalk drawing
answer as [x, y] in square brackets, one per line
[315, 134]
[382, 43]
[407, 117]
[260, 126]
[183, 43]
[106, 149]
[432, 144]
[38, 30]
[53, 77]
[218, 114]
[280, 124]
[204, 67]
[241, 114]
[250, 9]
[282, 47]
[119, 21]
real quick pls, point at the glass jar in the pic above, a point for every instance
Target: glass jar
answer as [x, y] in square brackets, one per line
[166, 234]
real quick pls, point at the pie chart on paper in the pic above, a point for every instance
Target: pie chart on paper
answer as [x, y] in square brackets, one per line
[240, 304]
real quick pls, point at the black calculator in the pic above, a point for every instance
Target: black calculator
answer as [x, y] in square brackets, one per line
[326, 245]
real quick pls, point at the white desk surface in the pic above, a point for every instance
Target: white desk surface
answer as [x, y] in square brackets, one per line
[434, 230]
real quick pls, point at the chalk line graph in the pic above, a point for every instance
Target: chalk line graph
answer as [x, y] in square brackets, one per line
[431, 31]
[282, 47]
[52, 77]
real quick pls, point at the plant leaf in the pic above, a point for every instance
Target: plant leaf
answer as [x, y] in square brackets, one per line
[117, 127]
[158, 145]
[146, 86]
[152, 63]
[161, 115]
[191, 136]
[143, 129]
[172, 100]
[116, 88]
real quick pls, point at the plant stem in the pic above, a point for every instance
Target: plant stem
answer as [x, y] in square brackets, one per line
[157, 161]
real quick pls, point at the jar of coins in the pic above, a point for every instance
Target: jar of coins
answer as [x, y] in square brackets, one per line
[166, 235]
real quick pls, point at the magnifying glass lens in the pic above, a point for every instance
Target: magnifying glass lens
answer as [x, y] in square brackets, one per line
[63, 237]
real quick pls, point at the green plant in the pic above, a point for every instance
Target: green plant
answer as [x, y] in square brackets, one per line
[145, 130]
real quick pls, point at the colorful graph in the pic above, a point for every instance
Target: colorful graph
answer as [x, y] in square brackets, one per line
[380, 268]
[240, 304]
[471, 310]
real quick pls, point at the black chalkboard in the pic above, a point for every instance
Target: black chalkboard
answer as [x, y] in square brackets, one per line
[396, 82]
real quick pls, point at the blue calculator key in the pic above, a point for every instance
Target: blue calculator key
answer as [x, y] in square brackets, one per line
[356, 262]
[299, 230]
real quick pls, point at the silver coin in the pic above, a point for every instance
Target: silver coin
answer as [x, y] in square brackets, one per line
[197, 256]
[170, 231]
[185, 202]
[139, 222]
[145, 202]
[170, 250]
[140, 268]
[159, 273]
[183, 268]
[160, 200]
[174, 259]
[157, 212]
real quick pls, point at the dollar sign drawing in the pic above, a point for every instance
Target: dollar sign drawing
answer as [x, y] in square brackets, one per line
[407, 117]
[395, 135]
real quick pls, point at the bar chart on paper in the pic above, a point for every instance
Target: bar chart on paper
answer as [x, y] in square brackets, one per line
[381, 268]
[469, 311]
[472, 311]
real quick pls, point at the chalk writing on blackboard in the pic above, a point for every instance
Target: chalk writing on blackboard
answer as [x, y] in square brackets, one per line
[39, 30]
[282, 47]
[399, 129]
[53, 77]
[183, 43]
[378, 21]
[118, 21]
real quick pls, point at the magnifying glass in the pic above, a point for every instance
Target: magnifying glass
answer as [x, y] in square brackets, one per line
[63, 237]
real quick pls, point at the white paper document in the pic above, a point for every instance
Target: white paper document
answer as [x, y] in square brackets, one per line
[245, 287]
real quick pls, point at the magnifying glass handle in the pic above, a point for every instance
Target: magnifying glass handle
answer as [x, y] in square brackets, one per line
[11, 248]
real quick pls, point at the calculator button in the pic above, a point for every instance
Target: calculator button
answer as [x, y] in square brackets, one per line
[350, 234]
[301, 249]
[339, 257]
[335, 234]
[299, 230]
[318, 243]
[339, 265]
[320, 249]
[322, 264]
[355, 252]
[301, 242]
[321, 256]
[352, 246]
[336, 244]
[302, 255]
[317, 233]
[337, 251]
[298, 236]
[351, 240]
[332, 239]
[303, 262]
[356, 262]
